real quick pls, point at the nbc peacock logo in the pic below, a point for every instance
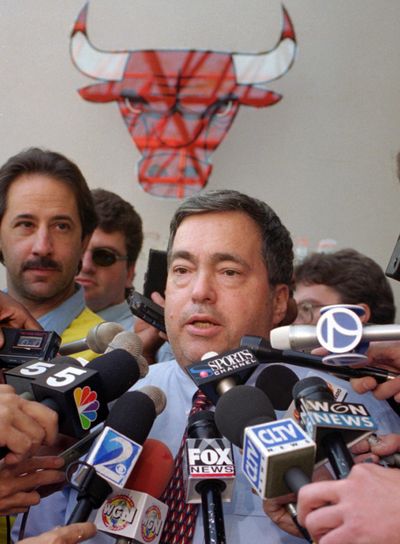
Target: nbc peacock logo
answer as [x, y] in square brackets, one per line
[87, 405]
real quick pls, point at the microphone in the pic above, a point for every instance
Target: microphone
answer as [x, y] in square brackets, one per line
[215, 374]
[263, 351]
[115, 452]
[330, 423]
[134, 514]
[74, 452]
[209, 472]
[305, 336]
[277, 382]
[80, 394]
[96, 340]
[278, 456]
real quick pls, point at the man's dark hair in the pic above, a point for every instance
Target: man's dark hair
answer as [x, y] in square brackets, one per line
[277, 247]
[116, 214]
[54, 165]
[355, 277]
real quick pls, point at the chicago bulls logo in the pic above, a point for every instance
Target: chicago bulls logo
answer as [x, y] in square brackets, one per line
[179, 104]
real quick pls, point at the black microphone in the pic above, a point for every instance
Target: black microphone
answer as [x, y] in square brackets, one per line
[114, 454]
[215, 374]
[209, 473]
[263, 351]
[96, 340]
[277, 382]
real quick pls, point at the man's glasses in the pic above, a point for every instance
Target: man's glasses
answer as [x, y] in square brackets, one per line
[306, 312]
[105, 257]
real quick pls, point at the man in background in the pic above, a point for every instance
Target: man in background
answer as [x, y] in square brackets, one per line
[46, 219]
[108, 264]
[343, 277]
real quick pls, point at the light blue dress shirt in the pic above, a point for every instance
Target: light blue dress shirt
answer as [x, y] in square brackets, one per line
[119, 313]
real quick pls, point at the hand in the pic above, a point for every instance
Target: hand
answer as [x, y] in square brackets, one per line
[374, 447]
[361, 509]
[19, 483]
[151, 337]
[13, 314]
[382, 355]
[71, 534]
[24, 425]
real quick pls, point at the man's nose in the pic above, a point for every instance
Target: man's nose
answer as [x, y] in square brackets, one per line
[43, 244]
[204, 288]
[87, 262]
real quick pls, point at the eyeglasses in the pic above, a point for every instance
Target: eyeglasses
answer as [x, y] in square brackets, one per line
[306, 311]
[106, 257]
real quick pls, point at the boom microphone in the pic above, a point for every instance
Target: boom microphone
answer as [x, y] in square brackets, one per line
[299, 337]
[96, 340]
[115, 452]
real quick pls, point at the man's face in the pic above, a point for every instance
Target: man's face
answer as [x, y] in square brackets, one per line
[41, 240]
[217, 287]
[310, 299]
[105, 285]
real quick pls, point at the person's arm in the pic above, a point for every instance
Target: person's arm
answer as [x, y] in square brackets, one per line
[24, 425]
[360, 509]
[71, 534]
[13, 314]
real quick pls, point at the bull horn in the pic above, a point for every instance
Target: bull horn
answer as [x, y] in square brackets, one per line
[94, 63]
[257, 68]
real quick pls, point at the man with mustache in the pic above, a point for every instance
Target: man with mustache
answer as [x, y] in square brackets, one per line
[46, 219]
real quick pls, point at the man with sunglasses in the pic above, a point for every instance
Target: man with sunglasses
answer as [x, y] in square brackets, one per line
[108, 264]
[46, 219]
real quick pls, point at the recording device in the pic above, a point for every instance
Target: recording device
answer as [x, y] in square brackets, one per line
[155, 278]
[262, 349]
[330, 423]
[215, 374]
[115, 452]
[22, 346]
[134, 514]
[96, 340]
[147, 310]
[209, 472]
[278, 456]
[393, 267]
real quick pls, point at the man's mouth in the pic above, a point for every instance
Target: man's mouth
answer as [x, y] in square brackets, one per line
[202, 324]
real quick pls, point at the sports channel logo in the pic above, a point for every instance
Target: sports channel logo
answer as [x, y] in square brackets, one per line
[118, 512]
[339, 330]
[87, 405]
[115, 456]
[151, 523]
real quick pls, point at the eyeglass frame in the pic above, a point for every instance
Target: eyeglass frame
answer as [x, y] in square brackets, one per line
[109, 252]
[310, 311]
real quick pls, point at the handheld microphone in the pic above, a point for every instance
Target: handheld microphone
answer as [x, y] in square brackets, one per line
[278, 456]
[330, 423]
[134, 514]
[263, 351]
[115, 452]
[305, 336]
[209, 472]
[96, 340]
[215, 374]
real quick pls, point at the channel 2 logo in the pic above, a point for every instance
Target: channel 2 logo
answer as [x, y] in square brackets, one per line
[339, 330]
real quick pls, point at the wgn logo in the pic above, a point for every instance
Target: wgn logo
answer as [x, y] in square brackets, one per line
[339, 330]
[115, 457]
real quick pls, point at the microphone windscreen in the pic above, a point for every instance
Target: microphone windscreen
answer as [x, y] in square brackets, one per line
[153, 469]
[157, 395]
[126, 340]
[118, 371]
[277, 382]
[101, 335]
[239, 408]
[132, 415]
[313, 388]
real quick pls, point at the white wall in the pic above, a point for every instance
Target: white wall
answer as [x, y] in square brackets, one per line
[324, 157]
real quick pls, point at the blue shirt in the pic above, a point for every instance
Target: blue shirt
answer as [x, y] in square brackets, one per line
[245, 520]
[119, 313]
[61, 317]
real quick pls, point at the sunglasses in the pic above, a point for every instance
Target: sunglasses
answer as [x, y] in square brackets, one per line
[105, 257]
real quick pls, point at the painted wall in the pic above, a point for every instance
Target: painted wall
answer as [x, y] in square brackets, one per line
[324, 157]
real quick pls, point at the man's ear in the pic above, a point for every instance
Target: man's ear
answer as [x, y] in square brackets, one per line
[365, 318]
[131, 273]
[280, 303]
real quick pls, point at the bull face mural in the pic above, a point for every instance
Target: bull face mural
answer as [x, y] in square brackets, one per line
[179, 104]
